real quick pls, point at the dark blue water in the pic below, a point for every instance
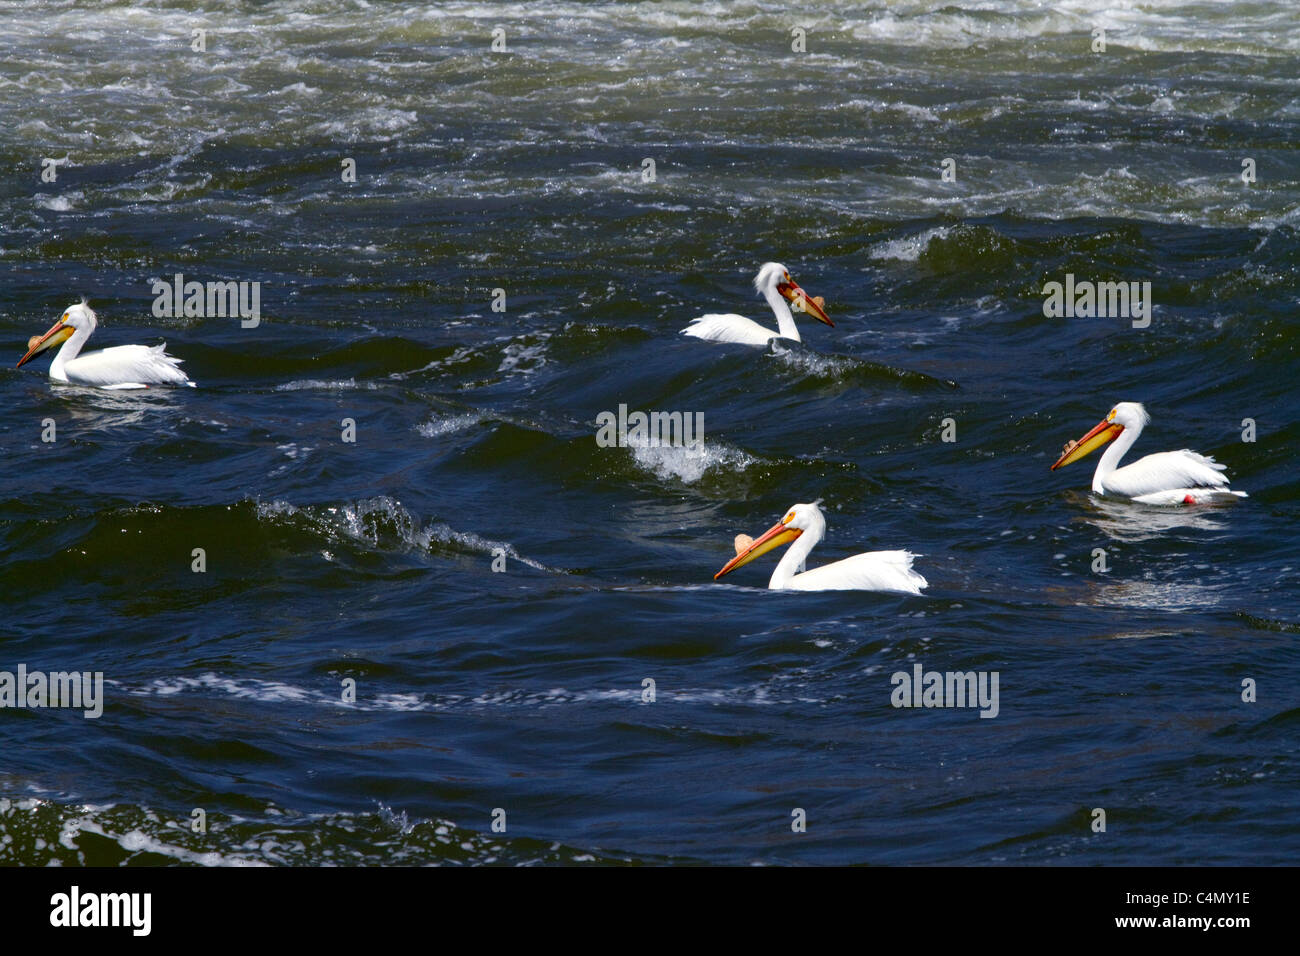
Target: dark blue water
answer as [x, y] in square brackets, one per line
[475, 432]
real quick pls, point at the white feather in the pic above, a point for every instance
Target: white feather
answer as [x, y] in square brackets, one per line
[729, 327]
[873, 571]
[1164, 473]
[125, 366]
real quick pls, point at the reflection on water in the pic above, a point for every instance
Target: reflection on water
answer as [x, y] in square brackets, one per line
[102, 408]
[1129, 521]
[1152, 582]
[1170, 595]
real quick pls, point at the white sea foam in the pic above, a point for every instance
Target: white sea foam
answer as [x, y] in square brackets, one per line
[524, 357]
[319, 384]
[908, 248]
[384, 523]
[327, 695]
[271, 837]
[689, 464]
[437, 427]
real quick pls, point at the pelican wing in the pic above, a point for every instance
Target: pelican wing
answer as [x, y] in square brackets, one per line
[873, 571]
[1164, 472]
[730, 327]
[127, 366]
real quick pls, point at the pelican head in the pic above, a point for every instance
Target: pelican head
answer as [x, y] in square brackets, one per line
[775, 277]
[797, 520]
[1130, 415]
[74, 319]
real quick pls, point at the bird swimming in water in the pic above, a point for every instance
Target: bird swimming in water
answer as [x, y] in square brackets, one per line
[119, 367]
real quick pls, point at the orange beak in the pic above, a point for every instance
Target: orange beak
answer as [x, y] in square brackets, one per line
[774, 537]
[802, 302]
[1106, 431]
[58, 334]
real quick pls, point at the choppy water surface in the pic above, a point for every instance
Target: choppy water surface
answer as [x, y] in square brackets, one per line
[523, 690]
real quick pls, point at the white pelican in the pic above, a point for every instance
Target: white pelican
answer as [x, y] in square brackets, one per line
[124, 366]
[1166, 478]
[774, 284]
[874, 571]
